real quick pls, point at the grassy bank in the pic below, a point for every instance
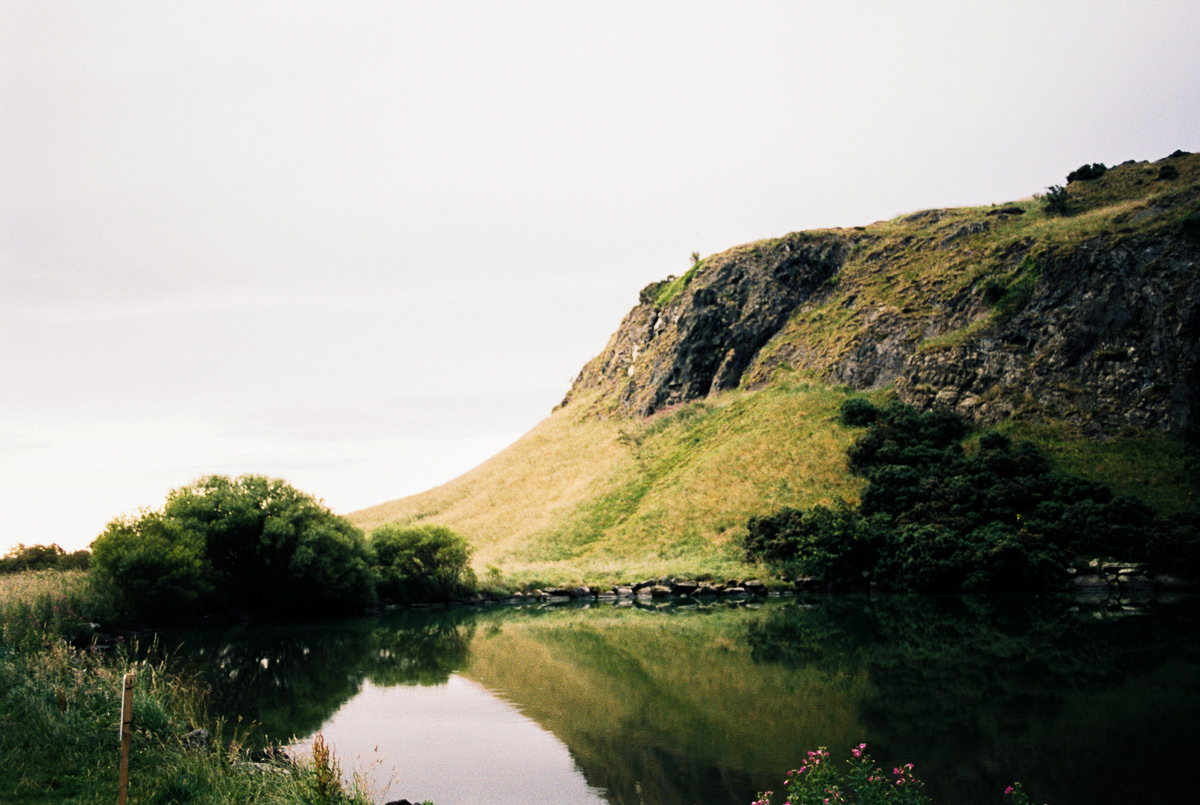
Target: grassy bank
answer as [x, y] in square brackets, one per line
[59, 706]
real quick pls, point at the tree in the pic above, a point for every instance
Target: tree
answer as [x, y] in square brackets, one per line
[260, 543]
[151, 566]
[421, 563]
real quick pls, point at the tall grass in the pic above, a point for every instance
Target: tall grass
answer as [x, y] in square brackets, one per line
[58, 713]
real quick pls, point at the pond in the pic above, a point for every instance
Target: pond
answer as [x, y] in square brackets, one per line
[1084, 702]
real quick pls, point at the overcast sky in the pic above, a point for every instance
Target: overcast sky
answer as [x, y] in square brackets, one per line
[363, 246]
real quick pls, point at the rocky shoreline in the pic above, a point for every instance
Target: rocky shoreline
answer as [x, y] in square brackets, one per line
[1112, 579]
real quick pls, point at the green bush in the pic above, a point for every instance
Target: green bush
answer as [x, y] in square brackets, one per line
[151, 565]
[1054, 202]
[249, 543]
[934, 517]
[421, 563]
[1085, 173]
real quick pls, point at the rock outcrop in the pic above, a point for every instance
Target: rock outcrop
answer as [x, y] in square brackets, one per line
[991, 312]
[702, 340]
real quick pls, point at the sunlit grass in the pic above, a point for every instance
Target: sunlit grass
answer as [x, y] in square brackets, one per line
[588, 496]
[588, 501]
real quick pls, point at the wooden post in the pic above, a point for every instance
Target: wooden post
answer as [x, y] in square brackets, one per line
[126, 736]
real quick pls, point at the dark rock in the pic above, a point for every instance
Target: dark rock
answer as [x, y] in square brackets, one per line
[704, 339]
[660, 591]
[197, 738]
[684, 587]
[755, 587]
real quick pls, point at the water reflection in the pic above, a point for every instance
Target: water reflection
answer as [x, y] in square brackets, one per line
[711, 704]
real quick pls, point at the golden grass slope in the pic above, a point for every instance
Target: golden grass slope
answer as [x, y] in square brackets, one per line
[601, 500]
[588, 497]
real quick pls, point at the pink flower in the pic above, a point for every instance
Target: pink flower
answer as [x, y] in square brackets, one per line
[1008, 791]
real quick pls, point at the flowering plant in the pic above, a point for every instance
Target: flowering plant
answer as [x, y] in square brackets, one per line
[820, 782]
[1018, 795]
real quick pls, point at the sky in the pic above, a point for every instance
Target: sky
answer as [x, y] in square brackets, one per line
[363, 246]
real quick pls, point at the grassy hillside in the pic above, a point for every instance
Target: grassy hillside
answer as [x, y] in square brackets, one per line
[589, 496]
[580, 498]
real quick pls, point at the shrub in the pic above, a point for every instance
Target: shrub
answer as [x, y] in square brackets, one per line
[934, 518]
[1085, 173]
[252, 542]
[858, 411]
[151, 565]
[819, 782]
[421, 563]
[271, 546]
[1054, 202]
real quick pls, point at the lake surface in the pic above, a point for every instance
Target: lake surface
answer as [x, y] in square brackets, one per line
[1084, 702]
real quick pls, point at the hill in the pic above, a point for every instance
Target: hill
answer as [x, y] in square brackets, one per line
[1071, 319]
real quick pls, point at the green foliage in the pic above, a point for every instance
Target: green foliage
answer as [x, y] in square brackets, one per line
[421, 563]
[935, 518]
[1086, 173]
[42, 557]
[250, 543]
[151, 564]
[1054, 202]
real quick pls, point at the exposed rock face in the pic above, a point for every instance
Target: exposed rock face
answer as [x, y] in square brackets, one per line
[1103, 331]
[702, 340]
[1110, 337]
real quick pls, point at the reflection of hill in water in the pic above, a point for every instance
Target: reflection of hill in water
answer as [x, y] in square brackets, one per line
[710, 705]
[664, 706]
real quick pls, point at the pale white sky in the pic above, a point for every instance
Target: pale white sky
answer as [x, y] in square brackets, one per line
[365, 245]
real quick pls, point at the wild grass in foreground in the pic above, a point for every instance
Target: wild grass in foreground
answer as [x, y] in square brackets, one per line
[58, 713]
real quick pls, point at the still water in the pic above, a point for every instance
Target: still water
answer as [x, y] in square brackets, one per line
[1084, 702]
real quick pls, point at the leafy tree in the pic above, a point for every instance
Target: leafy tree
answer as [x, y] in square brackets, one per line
[252, 542]
[151, 566]
[272, 546]
[421, 563]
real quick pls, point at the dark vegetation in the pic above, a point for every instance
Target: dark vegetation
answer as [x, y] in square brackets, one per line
[1086, 173]
[42, 557]
[421, 563]
[937, 517]
[1054, 201]
[258, 545]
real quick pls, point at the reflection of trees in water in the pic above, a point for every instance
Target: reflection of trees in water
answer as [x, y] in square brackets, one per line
[950, 673]
[420, 648]
[289, 679]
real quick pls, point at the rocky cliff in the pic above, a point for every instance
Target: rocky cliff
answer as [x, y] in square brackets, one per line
[1091, 316]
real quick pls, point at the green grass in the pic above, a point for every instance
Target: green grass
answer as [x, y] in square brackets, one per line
[588, 496]
[58, 707]
[1149, 466]
[586, 501]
